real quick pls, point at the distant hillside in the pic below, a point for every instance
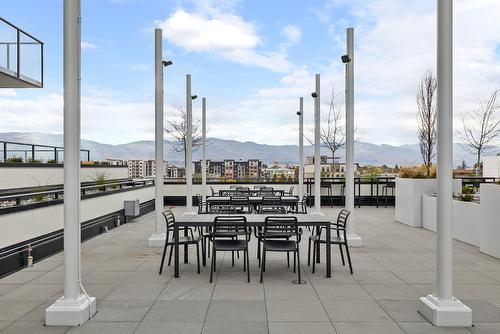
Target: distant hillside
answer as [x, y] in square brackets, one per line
[217, 149]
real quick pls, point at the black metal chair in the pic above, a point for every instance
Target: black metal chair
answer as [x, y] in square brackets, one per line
[268, 209]
[213, 191]
[385, 189]
[242, 204]
[339, 237]
[222, 208]
[190, 239]
[276, 238]
[302, 204]
[226, 230]
[202, 205]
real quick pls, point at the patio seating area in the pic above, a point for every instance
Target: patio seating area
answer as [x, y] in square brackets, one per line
[395, 266]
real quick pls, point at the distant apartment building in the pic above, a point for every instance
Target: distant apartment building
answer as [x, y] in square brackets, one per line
[147, 168]
[231, 169]
[115, 162]
[279, 172]
[329, 167]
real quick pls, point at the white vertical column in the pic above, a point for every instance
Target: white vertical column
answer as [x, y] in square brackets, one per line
[75, 307]
[352, 237]
[442, 309]
[301, 147]
[317, 147]
[189, 147]
[203, 148]
[157, 239]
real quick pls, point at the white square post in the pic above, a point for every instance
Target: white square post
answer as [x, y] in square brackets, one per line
[75, 307]
[442, 309]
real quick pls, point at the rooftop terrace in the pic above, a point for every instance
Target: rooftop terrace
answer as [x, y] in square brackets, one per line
[395, 266]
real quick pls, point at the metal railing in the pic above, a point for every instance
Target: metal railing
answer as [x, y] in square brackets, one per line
[36, 195]
[23, 55]
[16, 151]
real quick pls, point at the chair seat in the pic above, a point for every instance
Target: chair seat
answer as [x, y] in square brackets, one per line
[229, 245]
[333, 239]
[186, 240]
[280, 245]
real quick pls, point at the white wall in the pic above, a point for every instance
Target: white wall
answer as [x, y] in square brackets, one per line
[21, 177]
[20, 226]
[491, 166]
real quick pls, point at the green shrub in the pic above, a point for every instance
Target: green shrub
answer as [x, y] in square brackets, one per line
[14, 160]
[467, 194]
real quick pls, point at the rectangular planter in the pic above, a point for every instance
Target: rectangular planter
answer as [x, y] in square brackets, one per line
[490, 221]
[409, 198]
[466, 222]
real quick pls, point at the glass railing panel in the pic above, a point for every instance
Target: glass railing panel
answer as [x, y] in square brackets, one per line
[8, 48]
[30, 57]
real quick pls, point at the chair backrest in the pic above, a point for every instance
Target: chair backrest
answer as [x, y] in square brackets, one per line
[280, 209]
[240, 200]
[233, 187]
[342, 218]
[271, 200]
[284, 224]
[227, 226]
[242, 189]
[258, 187]
[169, 221]
[225, 193]
[222, 208]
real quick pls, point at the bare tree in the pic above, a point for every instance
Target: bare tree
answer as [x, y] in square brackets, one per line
[177, 129]
[427, 119]
[480, 127]
[332, 132]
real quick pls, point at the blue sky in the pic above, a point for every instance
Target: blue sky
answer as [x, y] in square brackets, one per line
[252, 60]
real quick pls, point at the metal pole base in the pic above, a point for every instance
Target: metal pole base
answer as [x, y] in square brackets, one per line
[157, 240]
[446, 313]
[354, 240]
[70, 312]
[296, 281]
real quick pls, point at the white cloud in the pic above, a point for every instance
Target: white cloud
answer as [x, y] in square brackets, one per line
[292, 33]
[224, 34]
[88, 46]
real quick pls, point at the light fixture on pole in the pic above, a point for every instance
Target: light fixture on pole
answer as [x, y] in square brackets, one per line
[75, 307]
[300, 113]
[348, 60]
[442, 309]
[203, 148]
[157, 238]
[189, 146]
[317, 147]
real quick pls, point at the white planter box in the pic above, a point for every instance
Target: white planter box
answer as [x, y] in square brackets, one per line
[409, 198]
[466, 222]
[490, 220]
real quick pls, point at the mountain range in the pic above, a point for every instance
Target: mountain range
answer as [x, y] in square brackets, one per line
[219, 149]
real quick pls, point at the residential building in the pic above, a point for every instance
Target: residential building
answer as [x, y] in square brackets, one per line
[328, 167]
[231, 169]
[115, 162]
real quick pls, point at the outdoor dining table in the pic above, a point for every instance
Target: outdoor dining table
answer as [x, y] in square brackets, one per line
[206, 220]
[254, 200]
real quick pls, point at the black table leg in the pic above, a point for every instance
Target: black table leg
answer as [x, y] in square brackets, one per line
[328, 252]
[318, 249]
[185, 246]
[176, 250]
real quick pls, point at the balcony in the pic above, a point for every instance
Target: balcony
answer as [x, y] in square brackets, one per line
[21, 58]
